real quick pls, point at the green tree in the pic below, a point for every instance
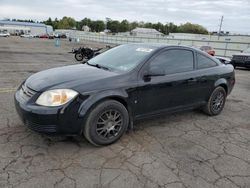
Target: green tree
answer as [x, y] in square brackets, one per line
[133, 25]
[49, 22]
[85, 21]
[159, 27]
[172, 28]
[66, 23]
[124, 26]
[55, 23]
[148, 25]
[113, 26]
[192, 28]
[97, 26]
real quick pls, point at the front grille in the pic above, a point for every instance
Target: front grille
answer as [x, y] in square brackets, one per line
[41, 128]
[26, 93]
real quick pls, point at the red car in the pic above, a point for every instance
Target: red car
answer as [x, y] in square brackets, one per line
[208, 49]
[44, 36]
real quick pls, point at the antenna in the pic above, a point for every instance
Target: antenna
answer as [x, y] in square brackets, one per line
[221, 21]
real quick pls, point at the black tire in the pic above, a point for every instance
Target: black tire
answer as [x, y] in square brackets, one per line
[216, 102]
[106, 123]
[79, 56]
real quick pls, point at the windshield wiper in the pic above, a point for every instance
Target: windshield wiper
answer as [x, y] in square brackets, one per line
[98, 66]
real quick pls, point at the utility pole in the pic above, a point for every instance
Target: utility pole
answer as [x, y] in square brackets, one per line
[167, 28]
[221, 21]
[106, 23]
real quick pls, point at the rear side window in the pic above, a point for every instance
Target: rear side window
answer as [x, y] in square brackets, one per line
[175, 61]
[205, 62]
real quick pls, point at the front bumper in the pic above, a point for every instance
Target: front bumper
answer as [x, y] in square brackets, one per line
[241, 63]
[63, 120]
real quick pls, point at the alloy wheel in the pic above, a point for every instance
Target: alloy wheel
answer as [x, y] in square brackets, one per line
[218, 101]
[109, 124]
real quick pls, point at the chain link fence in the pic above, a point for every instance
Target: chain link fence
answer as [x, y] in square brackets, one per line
[222, 48]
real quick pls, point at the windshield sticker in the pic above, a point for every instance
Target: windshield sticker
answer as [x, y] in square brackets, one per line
[123, 68]
[144, 50]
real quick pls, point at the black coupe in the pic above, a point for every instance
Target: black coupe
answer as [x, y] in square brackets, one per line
[102, 98]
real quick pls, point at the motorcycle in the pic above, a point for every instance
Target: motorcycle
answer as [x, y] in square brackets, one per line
[85, 53]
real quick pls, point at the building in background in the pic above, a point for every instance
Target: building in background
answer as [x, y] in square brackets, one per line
[212, 37]
[145, 32]
[86, 28]
[18, 28]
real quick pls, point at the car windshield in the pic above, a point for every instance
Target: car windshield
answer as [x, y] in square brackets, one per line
[122, 58]
[247, 50]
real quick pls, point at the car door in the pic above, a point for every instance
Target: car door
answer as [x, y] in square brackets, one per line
[206, 75]
[175, 89]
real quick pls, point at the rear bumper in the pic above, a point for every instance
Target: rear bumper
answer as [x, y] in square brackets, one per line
[63, 120]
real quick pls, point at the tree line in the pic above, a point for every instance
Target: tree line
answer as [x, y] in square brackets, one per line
[116, 26]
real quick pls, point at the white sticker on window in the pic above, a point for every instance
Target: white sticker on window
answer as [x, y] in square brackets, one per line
[144, 50]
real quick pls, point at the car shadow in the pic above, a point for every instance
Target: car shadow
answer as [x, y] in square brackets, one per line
[242, 68]
[163, 120]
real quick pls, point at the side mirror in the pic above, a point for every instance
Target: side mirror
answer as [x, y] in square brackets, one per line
[154, 71]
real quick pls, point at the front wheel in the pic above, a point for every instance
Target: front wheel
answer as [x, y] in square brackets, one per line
[216, 102]
[106, 123]
[79, 56]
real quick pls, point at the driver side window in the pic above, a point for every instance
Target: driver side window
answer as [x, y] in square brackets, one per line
[174, 61]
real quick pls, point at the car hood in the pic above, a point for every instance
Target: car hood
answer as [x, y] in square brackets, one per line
[224, 58]
[66, 77]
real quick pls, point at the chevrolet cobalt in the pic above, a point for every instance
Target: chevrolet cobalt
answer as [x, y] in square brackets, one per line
[103, 97]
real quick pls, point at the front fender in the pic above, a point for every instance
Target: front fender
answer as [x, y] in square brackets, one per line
[96, 97]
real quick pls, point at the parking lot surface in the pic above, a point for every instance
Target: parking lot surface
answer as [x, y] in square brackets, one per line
[187, 149]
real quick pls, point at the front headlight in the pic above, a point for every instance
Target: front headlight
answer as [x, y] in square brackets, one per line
[56, 97]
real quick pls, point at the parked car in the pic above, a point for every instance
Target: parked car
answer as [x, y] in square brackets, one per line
[56, 35]
[62, 36]
[4, 34]
[208, 49]
[102, 98]
[36, 35]
[223, 60]
[51, 36]
[26, 36]
[241, 59]
[44, 36]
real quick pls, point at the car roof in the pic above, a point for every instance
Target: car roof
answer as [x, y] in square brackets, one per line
[161, 46]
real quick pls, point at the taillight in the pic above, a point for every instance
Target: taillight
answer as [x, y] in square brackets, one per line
[232, 82]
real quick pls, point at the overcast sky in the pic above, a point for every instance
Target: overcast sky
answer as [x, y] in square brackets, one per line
[205, 12]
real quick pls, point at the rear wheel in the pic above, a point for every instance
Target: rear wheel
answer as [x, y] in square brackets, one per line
[79, 56]
[106, 123]
[216, 102]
